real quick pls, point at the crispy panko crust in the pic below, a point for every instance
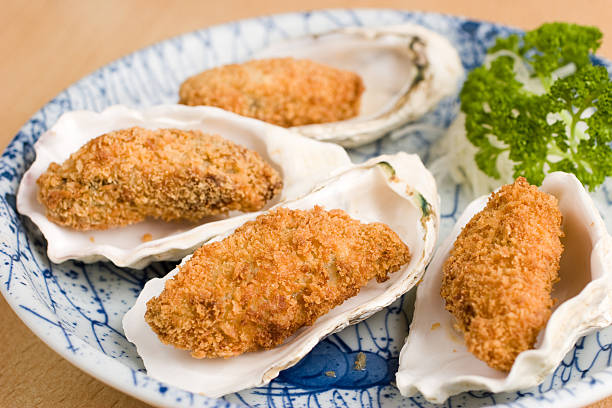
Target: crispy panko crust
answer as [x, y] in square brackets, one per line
[255, 288]
[498, 279]
[283, 91]
[124, 176]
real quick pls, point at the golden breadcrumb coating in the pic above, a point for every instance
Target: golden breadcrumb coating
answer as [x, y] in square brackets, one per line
[255, 288]
[124, 176]
[498, 279]
[283, 91]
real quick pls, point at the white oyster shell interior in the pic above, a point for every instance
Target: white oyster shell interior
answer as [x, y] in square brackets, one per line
[407, 69]
[407, 201]
[434, 359]
[302, 162]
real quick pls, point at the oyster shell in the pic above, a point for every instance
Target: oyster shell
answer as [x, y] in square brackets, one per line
[302, 162]
[396, 190]
[407, 69]
[434, 359]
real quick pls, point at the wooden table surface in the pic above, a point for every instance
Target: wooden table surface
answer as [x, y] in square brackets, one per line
[47, 45]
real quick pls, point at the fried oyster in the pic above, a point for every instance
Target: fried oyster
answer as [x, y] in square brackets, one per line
[498, 279]
[282, 91]
[273, 275]
[124, 176]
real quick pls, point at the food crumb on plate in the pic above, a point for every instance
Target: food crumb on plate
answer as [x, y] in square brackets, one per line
[360, 361]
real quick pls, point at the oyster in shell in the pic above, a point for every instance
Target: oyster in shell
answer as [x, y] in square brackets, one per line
[127, 175]
[302, 163]
[406, 69]
[396, 190]
[281, 91]
[435, 360]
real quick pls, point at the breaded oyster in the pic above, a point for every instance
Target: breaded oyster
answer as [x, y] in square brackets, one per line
[124, 176]
[283, 91]
[273, 275]
[498, 279]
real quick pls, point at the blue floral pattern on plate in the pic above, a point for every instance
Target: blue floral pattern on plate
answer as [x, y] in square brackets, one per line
[77, 308]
